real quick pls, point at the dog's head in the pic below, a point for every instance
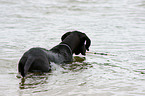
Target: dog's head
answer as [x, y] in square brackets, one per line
[84, 41]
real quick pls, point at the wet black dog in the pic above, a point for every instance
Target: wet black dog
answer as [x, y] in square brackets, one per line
[38, 59]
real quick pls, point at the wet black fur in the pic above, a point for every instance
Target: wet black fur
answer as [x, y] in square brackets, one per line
[38, 59]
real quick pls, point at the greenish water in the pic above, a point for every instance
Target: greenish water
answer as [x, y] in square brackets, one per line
[116, 28]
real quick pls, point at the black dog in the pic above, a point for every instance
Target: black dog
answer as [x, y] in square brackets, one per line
[38, 59]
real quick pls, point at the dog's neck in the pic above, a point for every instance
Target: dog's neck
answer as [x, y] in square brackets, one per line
[66, 46]
[72, 41]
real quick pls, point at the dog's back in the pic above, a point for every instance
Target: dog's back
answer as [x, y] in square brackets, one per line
[34, 60]
[60, 54]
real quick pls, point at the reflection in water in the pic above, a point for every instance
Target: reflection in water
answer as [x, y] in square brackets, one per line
[77, 64]
[79, 59]
[34, 79]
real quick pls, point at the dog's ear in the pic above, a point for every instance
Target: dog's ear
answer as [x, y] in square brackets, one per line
[84, 45]
[84, 38]
[81, 50]
[65, 35]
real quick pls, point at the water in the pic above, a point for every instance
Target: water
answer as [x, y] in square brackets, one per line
[114, 27]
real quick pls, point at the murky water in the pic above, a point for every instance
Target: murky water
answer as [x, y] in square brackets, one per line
[115, 27]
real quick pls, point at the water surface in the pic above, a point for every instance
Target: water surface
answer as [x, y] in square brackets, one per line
[115, 28]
